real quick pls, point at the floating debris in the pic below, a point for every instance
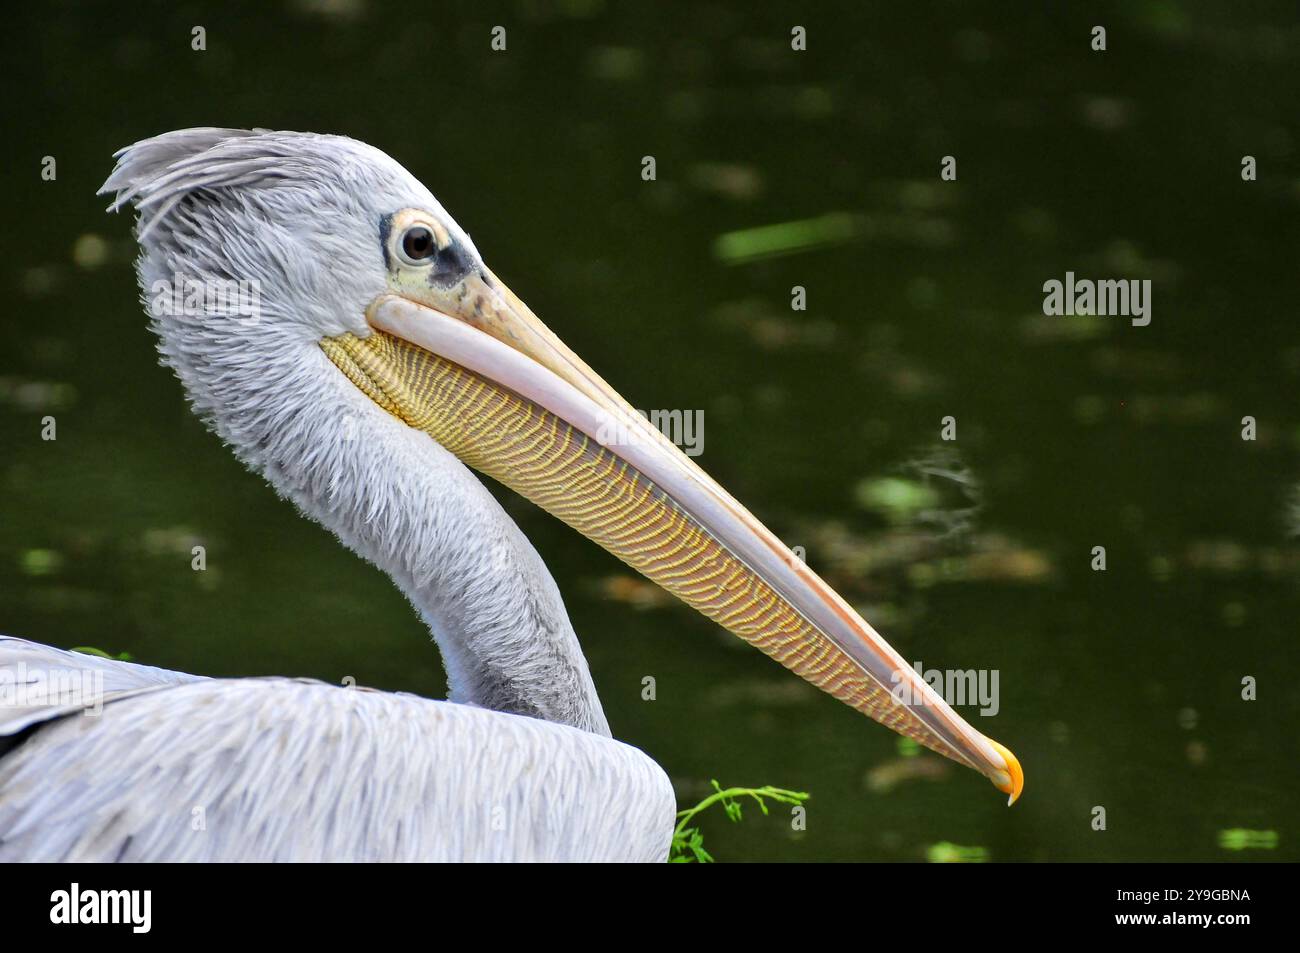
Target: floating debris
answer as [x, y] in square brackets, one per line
[171, 540]
[851, 559]
[40, 562]
[1231, 558]
[32, 395]
[899, 500]
[741, 183]
[1004, 562]
[884, 778]
[936, 490]
[786, 238]
[1223, 556]
[775, 330]
[633, 591]
[948, 853]
[1240, 838]
[90, 251]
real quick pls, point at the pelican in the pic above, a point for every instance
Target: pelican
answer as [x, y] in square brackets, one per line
[382, 362]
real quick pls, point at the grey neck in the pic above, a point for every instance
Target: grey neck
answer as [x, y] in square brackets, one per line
[485, 593]
[400, 500]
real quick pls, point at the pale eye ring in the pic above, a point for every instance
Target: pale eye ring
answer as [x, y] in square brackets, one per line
[417, 245]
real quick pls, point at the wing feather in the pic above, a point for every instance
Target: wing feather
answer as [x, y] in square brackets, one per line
[274, 769]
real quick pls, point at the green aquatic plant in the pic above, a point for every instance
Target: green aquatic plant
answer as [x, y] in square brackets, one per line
[91, 650]
[688, 842]
[784, 238]
[945, 852]
[40, 562]
[1239, 838]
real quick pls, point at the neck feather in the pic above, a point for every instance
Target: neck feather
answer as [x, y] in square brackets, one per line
[398, 499]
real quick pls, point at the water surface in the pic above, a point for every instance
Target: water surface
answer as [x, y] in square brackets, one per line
[1118, 689]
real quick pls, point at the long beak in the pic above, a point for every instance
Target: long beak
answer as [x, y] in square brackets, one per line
[478, 371]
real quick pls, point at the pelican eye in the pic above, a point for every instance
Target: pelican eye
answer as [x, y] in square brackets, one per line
[418, 244]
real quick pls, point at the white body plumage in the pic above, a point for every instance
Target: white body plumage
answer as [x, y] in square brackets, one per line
[181, 768]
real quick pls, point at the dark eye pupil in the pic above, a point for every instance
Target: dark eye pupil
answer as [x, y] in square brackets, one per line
[418, 243]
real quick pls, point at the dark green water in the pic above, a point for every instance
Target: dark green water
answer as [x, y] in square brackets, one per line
[1118, 689]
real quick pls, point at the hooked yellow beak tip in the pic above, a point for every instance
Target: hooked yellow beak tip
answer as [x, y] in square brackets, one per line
[1011, 781]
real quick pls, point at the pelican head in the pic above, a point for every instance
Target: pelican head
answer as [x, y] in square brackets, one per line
[373, 332]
